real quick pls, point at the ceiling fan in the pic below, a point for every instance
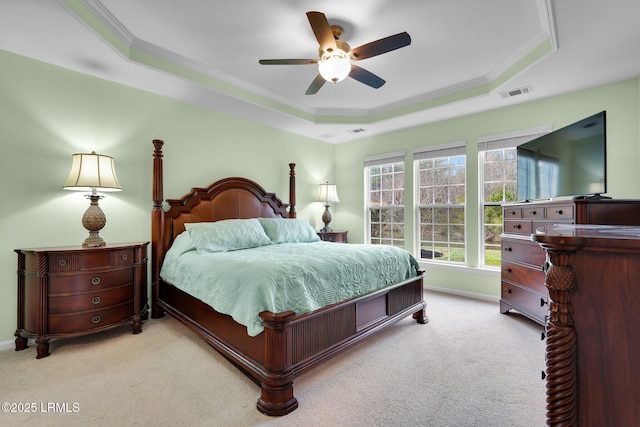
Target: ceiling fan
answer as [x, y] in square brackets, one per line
[335, 64]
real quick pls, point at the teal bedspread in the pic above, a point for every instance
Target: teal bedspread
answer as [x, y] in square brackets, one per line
[300, 277]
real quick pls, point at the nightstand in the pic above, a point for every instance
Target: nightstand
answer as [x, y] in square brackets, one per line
[70, 291]
[333, 236]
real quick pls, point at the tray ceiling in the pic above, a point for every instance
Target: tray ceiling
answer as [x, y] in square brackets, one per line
[465, 56]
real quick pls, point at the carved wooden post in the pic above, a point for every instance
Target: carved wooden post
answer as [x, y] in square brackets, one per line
[157, 227]
[21, 342]
[562, 344]
[292, 190]
[276, 398]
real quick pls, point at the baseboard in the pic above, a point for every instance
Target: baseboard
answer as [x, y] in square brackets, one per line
[6, 345]
[466, 294]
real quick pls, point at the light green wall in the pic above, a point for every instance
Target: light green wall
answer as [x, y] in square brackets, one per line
[620, 100]
[48, 113]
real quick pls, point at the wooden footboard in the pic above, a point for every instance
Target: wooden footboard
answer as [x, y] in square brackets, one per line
[291, 345]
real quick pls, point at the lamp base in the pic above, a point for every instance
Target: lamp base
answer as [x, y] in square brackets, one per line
[93, 241]
[326, 218]
[94, 220]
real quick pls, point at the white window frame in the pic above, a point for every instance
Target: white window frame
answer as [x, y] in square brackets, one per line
[450, 149]
[497, 142]
[381, 160]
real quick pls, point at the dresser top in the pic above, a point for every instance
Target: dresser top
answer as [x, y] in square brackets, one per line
[107, 247]
[604, 236]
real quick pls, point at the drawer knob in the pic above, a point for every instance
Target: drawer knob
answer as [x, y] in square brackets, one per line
[96, 319]
[63, 262]
[559, 212]
[124, 257]
[542, 302]
[507, 270]
[534, 213]
[507, 291]
[517, 226]
[507, 249]
[95, 281]
[95, 300]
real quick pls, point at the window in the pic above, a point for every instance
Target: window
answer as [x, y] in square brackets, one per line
[498, 167]
[385, 201]
[441, 186]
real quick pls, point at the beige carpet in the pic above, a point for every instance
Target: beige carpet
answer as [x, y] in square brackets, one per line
[469, 366]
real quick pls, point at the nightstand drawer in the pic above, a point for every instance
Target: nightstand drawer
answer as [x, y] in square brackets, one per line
[90, 300]
[333, 236]
[90, 259]
[99, 280]
[67, 323]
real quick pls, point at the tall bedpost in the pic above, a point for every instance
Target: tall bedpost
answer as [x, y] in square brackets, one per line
[157, 228]
[292, 190]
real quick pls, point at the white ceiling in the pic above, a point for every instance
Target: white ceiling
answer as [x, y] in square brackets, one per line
[464, 54]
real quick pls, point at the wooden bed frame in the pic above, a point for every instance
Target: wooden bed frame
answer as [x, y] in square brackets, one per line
[289, 344]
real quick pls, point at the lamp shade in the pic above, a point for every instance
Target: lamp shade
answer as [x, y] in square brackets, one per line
[327, 193]
[92, 171]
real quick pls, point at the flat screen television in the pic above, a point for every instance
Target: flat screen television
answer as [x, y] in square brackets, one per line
[568, 162]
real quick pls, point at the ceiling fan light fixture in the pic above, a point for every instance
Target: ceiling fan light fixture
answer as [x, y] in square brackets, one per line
[335, 66]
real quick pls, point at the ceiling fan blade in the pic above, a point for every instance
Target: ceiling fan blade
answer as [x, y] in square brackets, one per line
[381, 46]
[322, 30]
[315, 85]
[366, 77]
[287, 61]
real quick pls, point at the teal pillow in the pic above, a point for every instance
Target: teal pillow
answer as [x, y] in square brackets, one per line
[227, 235]
[284, 230]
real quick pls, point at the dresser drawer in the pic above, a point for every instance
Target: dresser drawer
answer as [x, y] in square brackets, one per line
[535, 212]
[565, 213]
[532, 278]
[518, 226]
[512, 213]
[528, 301]
[90, 300]
[68, 323]
[90, 259]
[96, 281]
[518, 251]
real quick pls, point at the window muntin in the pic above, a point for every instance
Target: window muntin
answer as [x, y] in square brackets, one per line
[498, 175]
[499, 185]
[386, 203]
[441, 208]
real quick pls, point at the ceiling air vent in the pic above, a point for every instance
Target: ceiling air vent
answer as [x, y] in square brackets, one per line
[358, 130]
[518, 91]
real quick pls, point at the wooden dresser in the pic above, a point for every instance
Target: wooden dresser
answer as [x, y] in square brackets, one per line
[69, 291]
[333, 236]
[593, 333]
[522, 275]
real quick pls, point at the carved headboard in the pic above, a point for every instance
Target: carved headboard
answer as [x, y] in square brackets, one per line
[228, 198]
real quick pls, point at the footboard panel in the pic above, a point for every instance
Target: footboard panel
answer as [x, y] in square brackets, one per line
[325, 332]
[291, 345]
